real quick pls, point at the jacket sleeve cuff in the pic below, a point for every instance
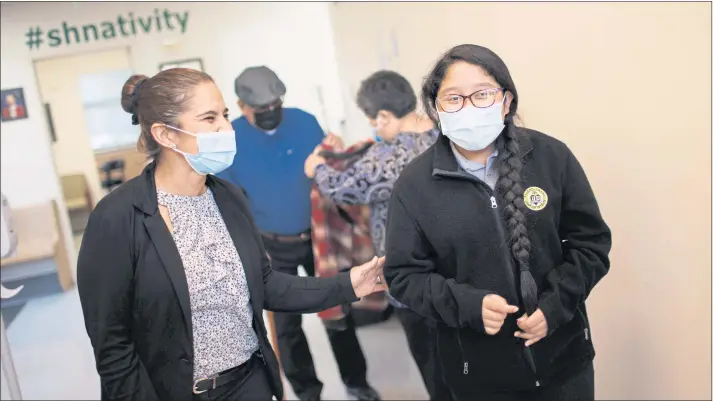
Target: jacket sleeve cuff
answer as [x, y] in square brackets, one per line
[344, 281]
[552, 310]
[477, 322]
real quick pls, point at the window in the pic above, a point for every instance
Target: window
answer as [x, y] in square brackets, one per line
[108, 125]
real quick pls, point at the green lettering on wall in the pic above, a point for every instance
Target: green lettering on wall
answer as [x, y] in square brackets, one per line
[124, 25]
[108, 31]
[93, 29]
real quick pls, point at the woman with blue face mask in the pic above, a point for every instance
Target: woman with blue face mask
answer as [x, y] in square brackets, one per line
[172, 273]
[495, 233]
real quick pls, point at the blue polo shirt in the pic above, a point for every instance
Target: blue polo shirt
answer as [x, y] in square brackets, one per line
[270, 169]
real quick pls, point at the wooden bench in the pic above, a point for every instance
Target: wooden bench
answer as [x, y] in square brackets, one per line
[40, 250]
[78, 200]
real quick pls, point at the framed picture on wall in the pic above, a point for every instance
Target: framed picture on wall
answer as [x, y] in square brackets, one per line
[194, 63]
[12, 103]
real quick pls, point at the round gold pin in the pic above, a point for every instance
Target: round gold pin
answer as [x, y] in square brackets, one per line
[535, 198]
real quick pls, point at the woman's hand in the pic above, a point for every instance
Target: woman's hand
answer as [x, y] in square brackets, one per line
[495, 311]
[534, 328]
[368, 278]
[333, 141]
[313, 160]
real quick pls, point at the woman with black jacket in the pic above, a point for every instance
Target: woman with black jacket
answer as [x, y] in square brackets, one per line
[495, 233]
[172, 273]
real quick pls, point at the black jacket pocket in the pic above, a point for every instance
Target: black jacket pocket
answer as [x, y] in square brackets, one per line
[475, 361]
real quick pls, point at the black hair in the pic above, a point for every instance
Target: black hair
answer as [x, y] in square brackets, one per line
[386, 90]
[510, 183]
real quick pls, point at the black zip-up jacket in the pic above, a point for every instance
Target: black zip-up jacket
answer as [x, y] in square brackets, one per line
[446, 248]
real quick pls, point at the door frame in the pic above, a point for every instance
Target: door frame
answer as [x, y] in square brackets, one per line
[62, 209]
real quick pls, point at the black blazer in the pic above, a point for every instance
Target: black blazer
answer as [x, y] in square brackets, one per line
[135, 298]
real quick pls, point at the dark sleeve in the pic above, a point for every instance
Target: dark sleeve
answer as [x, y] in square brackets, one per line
[586, 245]
[105, 285]
[288, 293]
[410, 272]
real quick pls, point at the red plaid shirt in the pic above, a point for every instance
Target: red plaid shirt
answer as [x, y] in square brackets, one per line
[338, 244]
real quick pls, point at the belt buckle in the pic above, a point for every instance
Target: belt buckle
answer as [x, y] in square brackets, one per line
[197, 382]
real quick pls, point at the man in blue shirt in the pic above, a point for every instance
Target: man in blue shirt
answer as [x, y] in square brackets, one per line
[272, 145]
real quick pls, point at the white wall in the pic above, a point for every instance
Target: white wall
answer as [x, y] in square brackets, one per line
[294, 39]
[27, 170]
[628, 87]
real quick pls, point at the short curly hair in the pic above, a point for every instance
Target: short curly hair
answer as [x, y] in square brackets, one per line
[386, 90]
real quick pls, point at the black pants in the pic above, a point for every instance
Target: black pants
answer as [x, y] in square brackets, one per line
[580, 387]
[421, 337]
[253, 386]
[295, 357]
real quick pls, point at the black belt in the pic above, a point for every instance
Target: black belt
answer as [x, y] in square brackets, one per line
[225, 377]
[304, 237]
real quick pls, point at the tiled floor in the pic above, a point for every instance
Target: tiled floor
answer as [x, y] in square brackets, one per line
[54, 359]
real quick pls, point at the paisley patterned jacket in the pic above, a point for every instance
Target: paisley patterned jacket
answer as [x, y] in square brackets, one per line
[370, 180]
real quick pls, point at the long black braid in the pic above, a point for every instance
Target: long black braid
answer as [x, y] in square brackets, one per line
[510, 188]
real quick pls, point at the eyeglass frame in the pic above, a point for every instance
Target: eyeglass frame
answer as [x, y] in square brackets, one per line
[470, 97]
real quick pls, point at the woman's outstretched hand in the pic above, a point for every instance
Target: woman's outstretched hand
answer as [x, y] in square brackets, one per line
[369, 277]
[313, 160]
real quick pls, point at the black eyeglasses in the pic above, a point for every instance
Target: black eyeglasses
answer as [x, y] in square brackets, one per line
[481, 99]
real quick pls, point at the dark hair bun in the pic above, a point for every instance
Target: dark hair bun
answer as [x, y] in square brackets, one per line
[129, 93]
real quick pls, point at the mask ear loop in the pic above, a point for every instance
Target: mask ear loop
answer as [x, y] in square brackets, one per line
[180, 130]
[174, 147]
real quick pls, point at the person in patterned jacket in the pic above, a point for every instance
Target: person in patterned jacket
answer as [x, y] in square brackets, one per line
[389, 102]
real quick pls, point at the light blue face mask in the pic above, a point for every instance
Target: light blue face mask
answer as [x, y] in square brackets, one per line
[376, 136]
[216, 151]
[473, 128]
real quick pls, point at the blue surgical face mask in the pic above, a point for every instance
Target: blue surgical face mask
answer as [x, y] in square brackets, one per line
[376, 136]
[473, 128]
[216, 151]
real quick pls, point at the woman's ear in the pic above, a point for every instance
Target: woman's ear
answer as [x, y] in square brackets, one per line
[164, 136]
[508, 101]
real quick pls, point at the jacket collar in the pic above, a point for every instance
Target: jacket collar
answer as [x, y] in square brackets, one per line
[446, 165]
[145, 196]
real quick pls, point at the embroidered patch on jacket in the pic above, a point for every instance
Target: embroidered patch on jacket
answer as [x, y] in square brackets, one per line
[535, 198]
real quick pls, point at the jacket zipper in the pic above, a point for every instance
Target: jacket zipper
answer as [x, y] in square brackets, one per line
[586, 326]
[496, 215]
[498, 224]
[462, 353]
